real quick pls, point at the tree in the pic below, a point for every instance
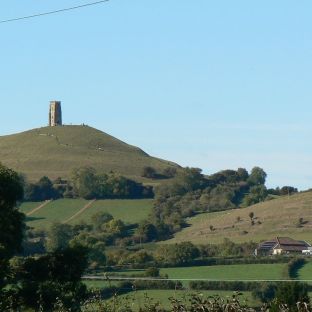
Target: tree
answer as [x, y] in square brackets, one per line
[85, 182]
[115, 227]
[42, 190]
[256, 195]
[178, 254]
[191, 179]
[88, 184]
[99, 219]
[59, 236]
[152, 272]
[46, 188]
[149, 172]
[170, 172]
[139, 257]
[95, 247]
[185, 253]
[291, 293]
[11, 220]
[288, 190]
[242, 174]
[265, 292]
[146, 231]
[257, 176]
[219, 198]
[52, 278]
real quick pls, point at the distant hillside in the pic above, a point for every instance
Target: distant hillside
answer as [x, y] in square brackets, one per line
[55, 151]
[278, 217]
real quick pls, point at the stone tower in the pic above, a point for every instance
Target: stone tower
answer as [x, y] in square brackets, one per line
[55, 115]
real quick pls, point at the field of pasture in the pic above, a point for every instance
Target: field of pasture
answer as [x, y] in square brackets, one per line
[228, 272]
[73, 211]
[248, 272]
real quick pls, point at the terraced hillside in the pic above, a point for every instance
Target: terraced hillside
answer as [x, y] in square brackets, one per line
[56, 151]
[278, 217]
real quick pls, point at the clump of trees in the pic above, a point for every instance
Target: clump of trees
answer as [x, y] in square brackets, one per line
[105, 231]
[177, 255]
[285, 190]
[42, 282]
[287, 295]
[88, 184]
[191, 192]
[151, 173]
[42, 190]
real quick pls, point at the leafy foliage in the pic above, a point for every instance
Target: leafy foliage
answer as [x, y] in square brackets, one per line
[177, 255]
[42, 190]
[41, 282]
[88, 184]
[11, 220]
[191, 192]
[149, 172]
[59, 236]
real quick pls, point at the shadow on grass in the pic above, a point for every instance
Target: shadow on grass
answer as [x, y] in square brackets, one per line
[28, 219]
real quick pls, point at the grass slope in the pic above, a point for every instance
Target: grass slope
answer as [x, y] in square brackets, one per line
[56, 151]
[29, 206]
[278, 217]
[56, 211]
[129, 211]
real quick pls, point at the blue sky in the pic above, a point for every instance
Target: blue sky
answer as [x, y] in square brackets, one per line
[209, 84]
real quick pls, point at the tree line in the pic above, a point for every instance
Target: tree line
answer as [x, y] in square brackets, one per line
[88, 184]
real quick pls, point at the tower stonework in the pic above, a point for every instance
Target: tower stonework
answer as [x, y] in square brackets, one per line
[55, 114]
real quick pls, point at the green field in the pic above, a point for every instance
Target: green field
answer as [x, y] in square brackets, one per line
[305, 273]
[138, 298]
[220, 272]
[240, 272]
[99, 284]
[56, 151]
[129, 211]
[228, 272]
[278, 217]
[56, 211]
[27, 207]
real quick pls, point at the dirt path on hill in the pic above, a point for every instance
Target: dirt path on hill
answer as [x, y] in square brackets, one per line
[39, 207]
[87, 206]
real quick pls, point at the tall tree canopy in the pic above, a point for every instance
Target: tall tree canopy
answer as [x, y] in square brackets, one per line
[11, 220]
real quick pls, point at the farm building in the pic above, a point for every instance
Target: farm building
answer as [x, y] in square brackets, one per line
[282, 245]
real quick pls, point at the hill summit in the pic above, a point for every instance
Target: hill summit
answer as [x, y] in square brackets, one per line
[56, 151]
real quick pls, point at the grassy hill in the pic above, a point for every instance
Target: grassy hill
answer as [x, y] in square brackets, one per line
[56, 151]
[278, 217]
